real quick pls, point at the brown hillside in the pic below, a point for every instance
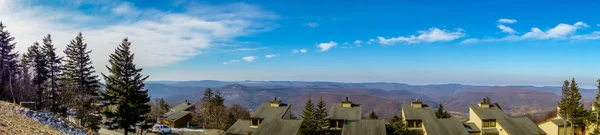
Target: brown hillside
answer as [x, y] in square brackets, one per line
[12, 123]
[514, 101]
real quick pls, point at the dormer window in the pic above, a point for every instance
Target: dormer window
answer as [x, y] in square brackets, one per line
[414, 123]
[489, 123]
[347, 103]
[255, 122]
[416, 104]
[275, 103]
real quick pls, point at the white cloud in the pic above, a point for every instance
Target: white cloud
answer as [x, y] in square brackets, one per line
[358, 42]
[299, 51]
[598, 25]
[124, 8]
[271, 56]
[303, 50]
[326, 46]
[428, 36]
[560, 31]
[231, 62]
[312, 24]
[249, 58]
[159, 38]
[506, 29]
[508, 21]
[371, 41]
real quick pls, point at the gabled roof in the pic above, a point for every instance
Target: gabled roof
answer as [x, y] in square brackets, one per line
[345, 113]
[512, 125]
[177, 115]
[179, 108]
[364, 127]
[274, 122]
[178, 111]
[431, 123]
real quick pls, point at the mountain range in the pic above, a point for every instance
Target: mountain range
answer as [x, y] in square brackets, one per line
[382, 97]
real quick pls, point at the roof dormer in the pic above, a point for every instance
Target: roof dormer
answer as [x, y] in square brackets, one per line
[346, 103]
[485, 103]
[275, 102]
[416, 104]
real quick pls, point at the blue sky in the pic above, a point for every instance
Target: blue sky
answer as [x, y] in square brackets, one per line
[417, 42]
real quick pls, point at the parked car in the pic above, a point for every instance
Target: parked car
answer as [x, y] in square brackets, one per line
[161, 129]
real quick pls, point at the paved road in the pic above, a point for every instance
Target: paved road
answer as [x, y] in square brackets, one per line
[103, 131]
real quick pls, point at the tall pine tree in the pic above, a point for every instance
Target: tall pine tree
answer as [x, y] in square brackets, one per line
[441, 113]
[82, 86]
[38, 60]
[571, 108]
[594, 118]
[309, 125]
[396, 126]
[8, 64]
[372, 115]
[54, 72]
[125, 89]
[320, 116]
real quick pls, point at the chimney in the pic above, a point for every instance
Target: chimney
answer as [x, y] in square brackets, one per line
[416, 104]
[274, 102]
[347, 103]
[484, 104]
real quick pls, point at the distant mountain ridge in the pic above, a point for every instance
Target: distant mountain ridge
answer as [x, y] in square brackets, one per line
[382, 97]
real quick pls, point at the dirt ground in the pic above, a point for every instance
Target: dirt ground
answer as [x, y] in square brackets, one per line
[12, 123]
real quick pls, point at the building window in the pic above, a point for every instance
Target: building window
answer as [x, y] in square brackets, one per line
[489, 123]
[414, 123]
[255, 122]
[336, 124]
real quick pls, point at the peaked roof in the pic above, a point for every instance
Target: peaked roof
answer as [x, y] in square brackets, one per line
[346, 113]
[431, 123]
[364, 127]
[512, 125]
[276, 121]
[178, 111]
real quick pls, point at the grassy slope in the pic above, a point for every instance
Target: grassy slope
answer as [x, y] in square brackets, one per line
[12, 123]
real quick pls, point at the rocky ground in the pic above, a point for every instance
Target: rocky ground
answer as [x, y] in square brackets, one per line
[16, 120]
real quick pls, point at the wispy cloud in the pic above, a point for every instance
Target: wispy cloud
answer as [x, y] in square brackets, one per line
[507, 21]
[299, 51]
[358, 42]
[158, 37]
[326, 46]
[312, 24]
[560, 31]
[249, 58]
[231, 62]
[506, 29]
[271, 56]
[427, 36]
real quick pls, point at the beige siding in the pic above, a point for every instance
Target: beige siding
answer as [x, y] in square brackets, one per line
[474, 118]
[549, 127]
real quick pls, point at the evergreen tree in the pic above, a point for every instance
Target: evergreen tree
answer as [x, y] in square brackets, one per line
[125, 88]
[39, 63]
[441, 113]
[372, 115]
[594, 119]
[320, 118]
[8, 64]
[24, 92]
[309, 125]
[82, 86]
[212, 109]
[230, 119]
[54, 72]
[396, 126]
[571, 108]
